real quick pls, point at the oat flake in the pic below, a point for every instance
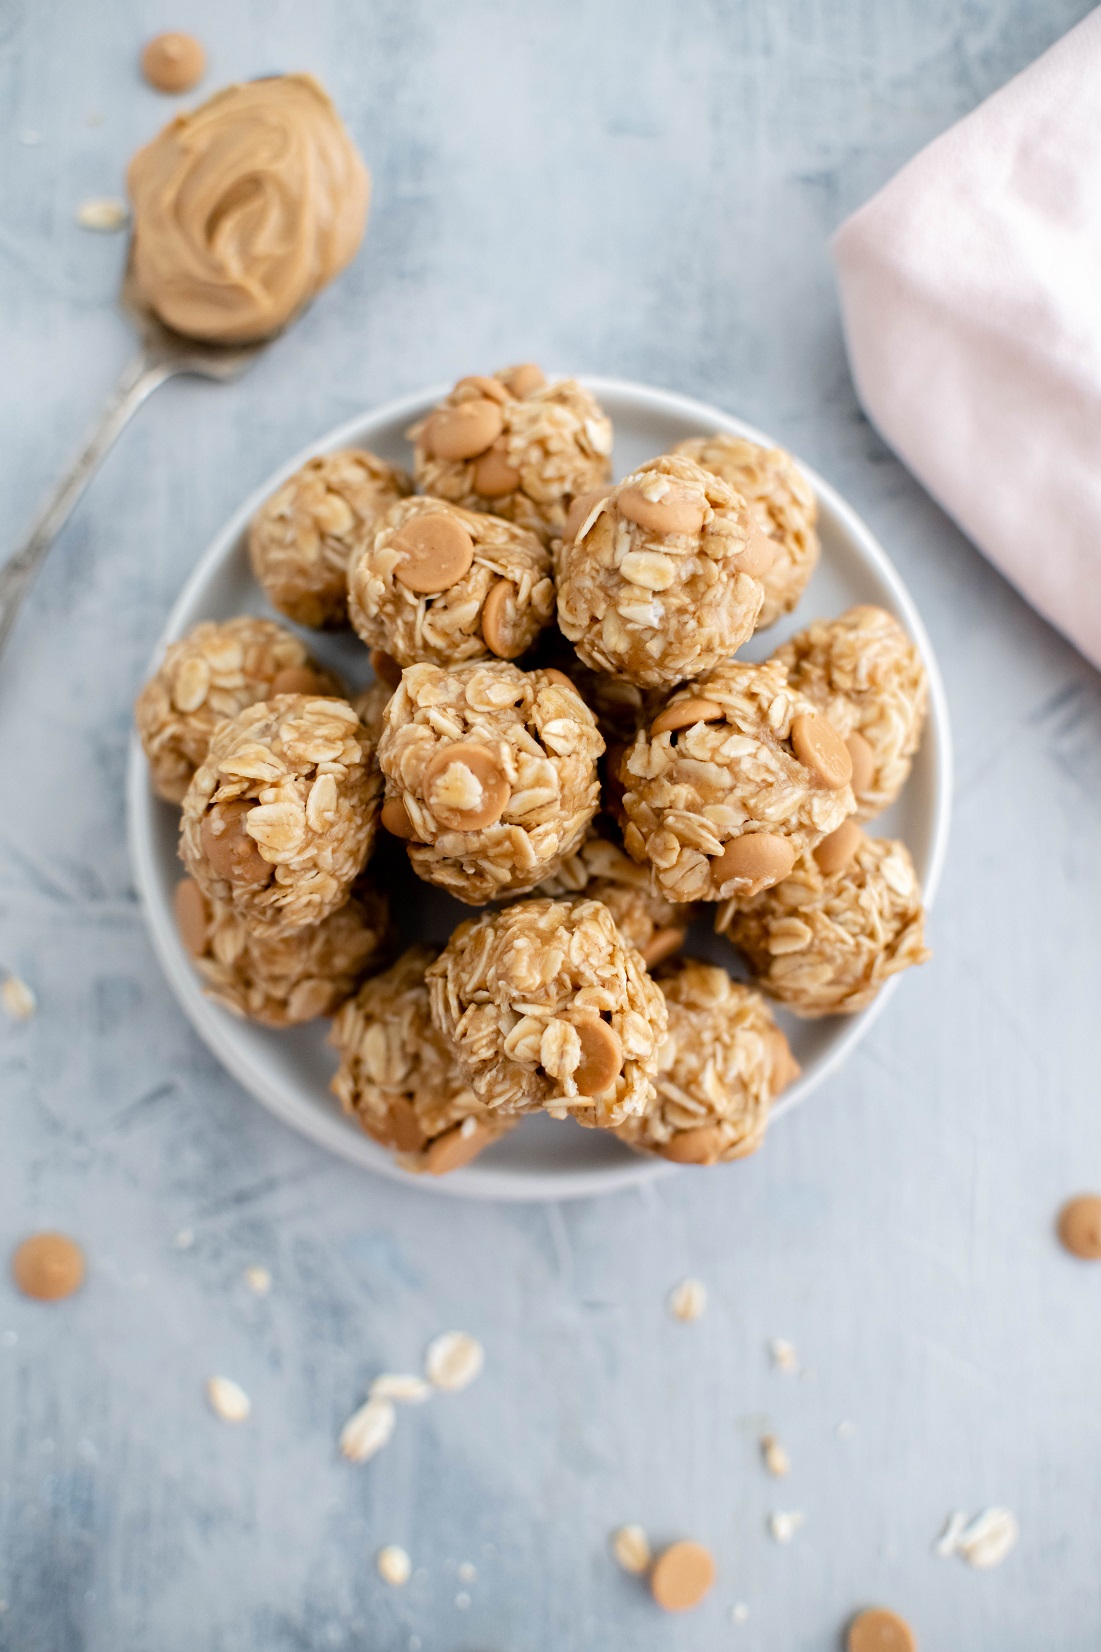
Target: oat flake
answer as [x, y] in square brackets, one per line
[776, 1459]
[784, 1525]
[394, 1565]
[105, 212]
[453, 1360]
[367, 1430]
[631, 1547]
[18, 999]
[784, 1357]
[688, 1300]
[258, 1280]
[985, 1542]
[401, 1387]
[228, 1400]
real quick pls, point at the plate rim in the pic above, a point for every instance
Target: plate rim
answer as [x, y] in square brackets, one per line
[213, 1023]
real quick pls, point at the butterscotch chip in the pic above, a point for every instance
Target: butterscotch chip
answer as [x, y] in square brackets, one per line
[232, 853]
[523, 380]
[502, 638]
[494, 476]
[465, 788]
[1080, 1226]
[662, 944]
[48, 1266]
[838, 849]
[680, 509]
[580, 508]
[867, 677]
[682, 1576]
[520, 449]
[301, 680]
[395, 820]
[463, 431]
[459, 1146]
[601, 870]
[601, 1057]
[192, 916]
[759, 859]
[702, 1144]
[784, 511]
[173, 62]
[554, 676]
[684, 712]
[385, 667]
[759, 554]
[435, 551]
[820, 748]
[878, 1630]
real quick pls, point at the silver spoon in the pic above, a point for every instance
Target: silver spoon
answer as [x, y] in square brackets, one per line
[162, 355]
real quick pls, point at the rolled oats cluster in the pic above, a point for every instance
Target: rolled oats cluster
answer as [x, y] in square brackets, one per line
[723, 1062]
[213, 673]
[547, 1006]
[514, 445]
[440, 584]
[825, 940]
[283, 980]
[602, 872]
[301, 538]
[732, 781]
[863, 671]
[398, 1077]
[783, 503]
[280, 817]
[490, 775]
[662, 579]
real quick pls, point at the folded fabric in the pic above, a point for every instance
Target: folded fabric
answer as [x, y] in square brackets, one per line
[971, 298]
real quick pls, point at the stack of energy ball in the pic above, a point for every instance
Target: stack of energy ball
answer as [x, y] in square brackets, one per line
[559, 733]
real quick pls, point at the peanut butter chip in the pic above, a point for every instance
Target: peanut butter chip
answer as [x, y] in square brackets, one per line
[192, 920]
[679, 510]
[464, 787]
[173, 62]
[48, 1266]
[436, 551]
[405, 1128]
[703, 1145]
[821, 750]
[837, 850]
[525, 379]
[863, 762]
[395, 820]
[385, 667]
[579, 510]
[762, 858]
[493, 388]
[227, 846]
[1080, 1227]
[759, 554]
[685, 713]
[299, 679]
[663, 943]
[456, 1147]
[682, 1575]
[601, 1057]
[553, 675]
[495, 618]
[878, 1630]
[494, 476]
[463, 431]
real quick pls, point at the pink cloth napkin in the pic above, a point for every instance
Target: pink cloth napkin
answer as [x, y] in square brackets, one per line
[971, 297]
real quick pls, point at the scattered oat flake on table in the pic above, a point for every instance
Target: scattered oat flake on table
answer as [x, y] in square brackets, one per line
[18, 999]
[258, 1280]
[688, 1300]
[948, 1541]
[784, 1525]
[467, 1572]
[105, 212]
[453, 1360]
[462, 1600]
[846, 1430]
[739, 1612]
[367, 1430]
[988, 1539]
[631, 1547]
[776, 1459]
[394, 1565]
[783, 1355]
[184, 1239]
[402, 1387]
[228, 1400]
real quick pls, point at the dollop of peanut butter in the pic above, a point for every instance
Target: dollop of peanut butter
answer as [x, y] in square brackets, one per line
[245, 209]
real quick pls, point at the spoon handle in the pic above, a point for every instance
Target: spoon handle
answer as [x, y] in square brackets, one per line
[141, 377]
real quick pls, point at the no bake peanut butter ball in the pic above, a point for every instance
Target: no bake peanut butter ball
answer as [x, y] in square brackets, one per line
[490, 774]
[280, 817]
[663, 578]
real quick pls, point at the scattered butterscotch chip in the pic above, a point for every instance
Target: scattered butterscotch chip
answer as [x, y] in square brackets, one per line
[682, 1575]
[48, 1266]
[631, 1547]
[1080, 1226]
[394, 1565]
[17, 998]
[173, 62]
[688, 1300]
[878, 1630]
[228, 1400]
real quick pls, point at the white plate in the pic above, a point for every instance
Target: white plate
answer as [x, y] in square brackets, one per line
[542, 1159]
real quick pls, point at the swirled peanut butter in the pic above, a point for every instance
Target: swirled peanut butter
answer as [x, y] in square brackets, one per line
[245, 208]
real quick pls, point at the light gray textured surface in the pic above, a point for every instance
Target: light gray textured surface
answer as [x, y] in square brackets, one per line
[644, 190]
